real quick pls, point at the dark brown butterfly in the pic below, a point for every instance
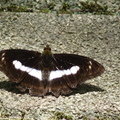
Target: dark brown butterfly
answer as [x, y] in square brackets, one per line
[43, 73]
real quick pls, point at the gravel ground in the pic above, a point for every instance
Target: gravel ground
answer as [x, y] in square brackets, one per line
[94, 36]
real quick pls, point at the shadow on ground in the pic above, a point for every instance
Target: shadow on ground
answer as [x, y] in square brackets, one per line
[81, 89]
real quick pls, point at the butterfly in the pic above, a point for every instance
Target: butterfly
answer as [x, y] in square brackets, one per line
[43, 73]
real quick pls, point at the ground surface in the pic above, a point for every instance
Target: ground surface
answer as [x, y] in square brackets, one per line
[97, 37]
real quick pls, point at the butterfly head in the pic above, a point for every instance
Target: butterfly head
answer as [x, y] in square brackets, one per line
[47, 57]
[47, 50]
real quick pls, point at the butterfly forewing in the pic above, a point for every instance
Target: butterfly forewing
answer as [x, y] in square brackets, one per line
[88, 68]
[8, 57]
[62, 72]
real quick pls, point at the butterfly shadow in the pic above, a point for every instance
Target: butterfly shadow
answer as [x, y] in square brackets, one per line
[81, 89]
[10, 87]
[85, 88]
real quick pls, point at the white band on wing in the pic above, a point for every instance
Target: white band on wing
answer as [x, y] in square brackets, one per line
[59, 73]
[38, 74]
[31, 71]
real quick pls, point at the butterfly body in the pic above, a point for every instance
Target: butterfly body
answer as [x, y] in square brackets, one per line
[43, 73]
